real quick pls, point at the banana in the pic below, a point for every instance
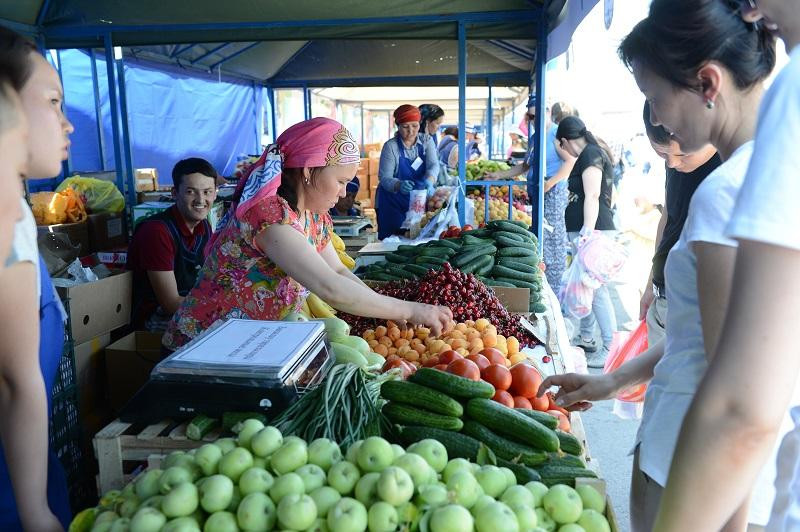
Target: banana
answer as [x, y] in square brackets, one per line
[319, 309]
[304, 310]
[346, 259]
[337, 242]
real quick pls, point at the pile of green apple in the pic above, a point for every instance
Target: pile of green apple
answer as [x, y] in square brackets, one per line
[263, 481]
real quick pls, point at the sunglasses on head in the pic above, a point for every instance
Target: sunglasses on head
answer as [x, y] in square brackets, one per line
[531, 116]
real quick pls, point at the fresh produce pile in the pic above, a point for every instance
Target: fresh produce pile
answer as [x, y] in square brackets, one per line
[264, 481]
[455, 231]
[477, 171]
[501, 254]
[501, 193]
[438, 199]
[498, 210]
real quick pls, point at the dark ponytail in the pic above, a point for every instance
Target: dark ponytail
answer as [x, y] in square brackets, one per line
[430, 112]
[572, 127]
[15, 60]
[679, 36]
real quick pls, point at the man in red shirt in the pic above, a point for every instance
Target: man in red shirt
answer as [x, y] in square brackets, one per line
[166, 252]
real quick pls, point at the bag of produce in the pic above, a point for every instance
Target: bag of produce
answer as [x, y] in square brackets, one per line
[97, 195]
[624, 350]
[50, 208]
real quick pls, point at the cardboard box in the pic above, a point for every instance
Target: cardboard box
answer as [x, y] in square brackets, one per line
[373, 166]
[364, 190]
[77, 232]
[129, 362]
[116, 259]
[516, 300]
[107, 231]
[98, 307]
[373, 192]
[146, 179]
[90, 373]
[374, 147]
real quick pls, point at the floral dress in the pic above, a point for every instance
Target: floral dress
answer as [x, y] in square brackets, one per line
[239, 281]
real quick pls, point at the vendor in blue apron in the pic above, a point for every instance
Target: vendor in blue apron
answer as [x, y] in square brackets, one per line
[409, 162]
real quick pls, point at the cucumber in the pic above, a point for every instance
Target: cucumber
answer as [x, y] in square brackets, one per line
[402, 414]
[503, 447]
[504, 271]
[539, 308]
[502, 284]
[518, 283]
[518, 252]
[458, 445]
[524, 474]
[510, 261]
[416, 269]
[567, 460]
[470, 240]
[436, 251]
[404, 248]
[551, 422]
[396, 258]
[506, 242]
[230, 419]
[486, 267]
[552, 475]
[522, 267]
[430, 259]
[519, 237]
[447, 242]
[481, 262]
[380, 276]
[468, 256]
[422, 397]
[508, 422]
[478, 233]
[200, 426]
[510, 226]
[430, 265]
[400, 272]
[452, 385]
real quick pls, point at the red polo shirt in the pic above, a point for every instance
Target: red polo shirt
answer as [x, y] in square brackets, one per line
[152, 247]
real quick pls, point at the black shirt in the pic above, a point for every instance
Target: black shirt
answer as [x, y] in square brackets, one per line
[680, 188]
[592, 155]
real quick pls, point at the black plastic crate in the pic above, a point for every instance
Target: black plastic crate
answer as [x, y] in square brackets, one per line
[66, 443]
[66, 379]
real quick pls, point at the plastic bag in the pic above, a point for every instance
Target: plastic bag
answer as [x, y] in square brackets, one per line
[416, 208]
[602, 257]
[577, 291]
[623, 351]
[50, 208]
[97, 195]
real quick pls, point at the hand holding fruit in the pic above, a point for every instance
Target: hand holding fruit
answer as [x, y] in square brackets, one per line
[437, 318]
[576, 391]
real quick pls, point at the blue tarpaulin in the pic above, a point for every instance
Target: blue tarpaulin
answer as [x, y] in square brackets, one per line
[172, 114]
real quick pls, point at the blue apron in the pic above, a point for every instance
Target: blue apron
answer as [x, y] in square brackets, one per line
[392, 206]
[51, 344]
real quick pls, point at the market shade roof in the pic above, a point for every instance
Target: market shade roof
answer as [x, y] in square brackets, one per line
[379, 42]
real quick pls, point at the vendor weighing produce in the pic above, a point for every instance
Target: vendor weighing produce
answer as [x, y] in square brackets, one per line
[409, 161]
[275, 243]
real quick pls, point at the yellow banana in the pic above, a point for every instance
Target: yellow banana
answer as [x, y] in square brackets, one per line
[346, 259]
[319, 309]
[304, 310]
[337, 242]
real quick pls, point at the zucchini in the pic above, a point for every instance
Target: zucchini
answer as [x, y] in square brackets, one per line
[430, 259]
[452, 385]
[229, 419]
[508, 422]
[466, 257]
[524, 474]
[486, 267]
[551, 422]
[510, 261]
[523, 268]
[200, 426]
[422, 397]
[409, 415]
[481, 262]
[458, 445]
[504, 271]
[552, 475]
[567, 460]
[503, 447]
[519, 252]
[396, 258]
[518, 283]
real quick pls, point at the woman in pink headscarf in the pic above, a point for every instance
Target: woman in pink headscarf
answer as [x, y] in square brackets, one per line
[275, 246]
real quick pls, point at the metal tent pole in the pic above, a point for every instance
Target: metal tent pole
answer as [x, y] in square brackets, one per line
[112, 100]
[98, 111]
[462, 119]
[66, 164]
[536, 173]
[126, 138]
[306, 103]
[490, 119]
[273, 114]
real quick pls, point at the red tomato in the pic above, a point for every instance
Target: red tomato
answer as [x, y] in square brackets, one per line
[542, 404]
[467, 228]
[448, 356]
[480, 360]
[443, 234]
[433, 361]
[522, 402]
[504, 398]
[482, 225]
[525, 380]
[563, 421]
[551, 404]
[493, 356]
[498, 376]
[464, 368]
[453, 228]
[441, 367]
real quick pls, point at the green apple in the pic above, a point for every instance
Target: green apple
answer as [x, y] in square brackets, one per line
[255, 480]
[216, 493]
[496, 516]
[563, 504]
[416, 467]
[382, 517]
[375, 455]
[352, 452]
[226, 445]
[545, 521]
[455, 465]
[207, 458]
[483, 500]
[288, 484]
[408, 514]
[297, 512]
[313, 476]
[122, 524]
[236, 462]
[539, 490]
[526, 516]
[182, 500]
[433, 494]
[452, 518]
[128, 490]
[518, 495]
[325, 497]
[324, 453]
[256, 512]
[319, 525]
[235, 500]
[465, 489]
[245, 431]
[398, 451]
[395, 486]
[260, 462]
[492, 480]
[594, 521]
[289, 456]
[148, 520]
[181, 459]
[182, 524]
[511, 478]
[109, 500]
[347, 515]
[127, 506]
[571, 527]
[102, 527]
[172, 477]
[221, 522]
[105, 517]
[343, 477]
[367, 489]
[433, 452]
[147, 483]
[266, 441]
[591, 499]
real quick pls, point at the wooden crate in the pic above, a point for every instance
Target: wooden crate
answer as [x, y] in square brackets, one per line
[121, 448]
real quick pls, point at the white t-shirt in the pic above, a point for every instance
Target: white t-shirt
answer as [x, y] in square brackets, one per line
[24, 247]
[767, 211]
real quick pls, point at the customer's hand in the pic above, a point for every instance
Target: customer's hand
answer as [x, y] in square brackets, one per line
[438, 319]
[406, 186]
[644, 303]
[576, 390]
[563, 154]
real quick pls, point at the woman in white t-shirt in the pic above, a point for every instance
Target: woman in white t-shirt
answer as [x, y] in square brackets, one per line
[728, 433]
[701, 68]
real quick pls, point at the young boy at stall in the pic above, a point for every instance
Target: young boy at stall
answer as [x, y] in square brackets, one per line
[167, 250]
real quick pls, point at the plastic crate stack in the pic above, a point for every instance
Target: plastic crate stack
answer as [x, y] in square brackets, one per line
[66, 436]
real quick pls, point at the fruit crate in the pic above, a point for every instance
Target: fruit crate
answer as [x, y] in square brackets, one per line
[122, 448]
[65, 442]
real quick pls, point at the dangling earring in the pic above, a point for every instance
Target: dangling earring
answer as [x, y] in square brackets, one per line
[709, 104]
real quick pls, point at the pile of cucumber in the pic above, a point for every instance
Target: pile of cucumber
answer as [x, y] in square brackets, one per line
[459, 413]
[504, 253]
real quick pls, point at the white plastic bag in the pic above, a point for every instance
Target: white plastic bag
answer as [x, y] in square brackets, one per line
[445, 218]
[416, 208]
[575, 294]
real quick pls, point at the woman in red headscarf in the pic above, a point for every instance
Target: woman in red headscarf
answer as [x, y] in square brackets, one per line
[409, 161]
[276, 244]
